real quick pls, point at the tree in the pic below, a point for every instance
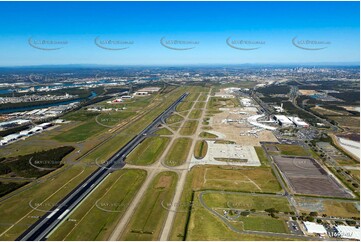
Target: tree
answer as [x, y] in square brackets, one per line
[271, 210]
[310, 219]
[245, 213]
[313, 214]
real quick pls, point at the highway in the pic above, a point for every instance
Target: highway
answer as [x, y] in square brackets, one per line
[40, 229]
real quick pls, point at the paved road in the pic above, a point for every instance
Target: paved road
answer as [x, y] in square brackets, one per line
[50, 220]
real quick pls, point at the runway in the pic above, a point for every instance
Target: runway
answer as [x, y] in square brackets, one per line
[51, 219]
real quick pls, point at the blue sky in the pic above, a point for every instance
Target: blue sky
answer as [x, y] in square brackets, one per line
[334, 24]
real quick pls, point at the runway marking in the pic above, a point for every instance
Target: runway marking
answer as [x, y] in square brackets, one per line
[40, 204]
[63, 214]
[52, 214]
[79, 222]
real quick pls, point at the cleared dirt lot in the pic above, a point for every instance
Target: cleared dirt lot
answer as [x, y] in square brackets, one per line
[306, 176]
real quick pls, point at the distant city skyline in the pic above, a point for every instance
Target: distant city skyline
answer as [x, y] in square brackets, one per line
[179, 33]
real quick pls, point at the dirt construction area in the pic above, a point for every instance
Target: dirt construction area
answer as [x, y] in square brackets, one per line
[232, 122]
[306, 176]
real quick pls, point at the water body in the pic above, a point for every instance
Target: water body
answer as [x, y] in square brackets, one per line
[57, 85]
[22, 109]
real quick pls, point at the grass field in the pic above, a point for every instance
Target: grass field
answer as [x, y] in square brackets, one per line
[192, 96]
[352, 123]
[97, 216]
[195, 114]
[262, 156]
[203, 97]
[217, 102]
[148, 220]
[175, 118]
[184, 106]
[189, 127]
[175, 126]
[200, 149]
[246, 179]
[243, 201]
[205, 226]
[95, 125]
[292, 150]
[219, 178]
[81, 115]
[341, 209]
[324, 111]
[241, 179]
[16, 210]
[264, 223]
[81, 132]
[148, 151]
[164, 131]
[178, 153]
[200, 105]
[345, 209]
[207, 135]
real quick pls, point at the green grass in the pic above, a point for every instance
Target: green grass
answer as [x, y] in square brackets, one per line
[218, 102]
[200, 149]
[263, 223]
[175, 118]
[202, 98]
[200, 105]
[175, 126]
[293, 150]
[164, 131]
[224, 142]
[195, 114]
[243, 201]
[205, 121]
[262, 156]
[93, 126]
[337, 208]
[81, 115]
[189, 127]
[220, 178]
[205, 226]
[148, 151]
[178, 153]
[89, 222]
[207, 135]
[81, 132]
[192, 96]
[184, 106]
[17, 210]
[148, 220]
